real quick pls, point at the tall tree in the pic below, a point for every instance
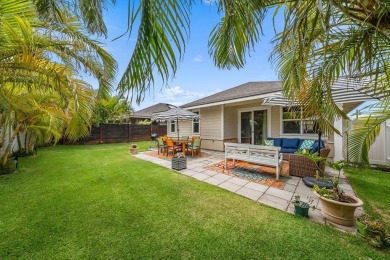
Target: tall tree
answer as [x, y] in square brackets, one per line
[40, 62]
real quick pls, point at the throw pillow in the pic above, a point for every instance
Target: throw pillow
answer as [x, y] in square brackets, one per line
[269, 142]
[307, 144]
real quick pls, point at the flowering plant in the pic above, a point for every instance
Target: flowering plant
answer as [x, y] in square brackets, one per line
[134, 146]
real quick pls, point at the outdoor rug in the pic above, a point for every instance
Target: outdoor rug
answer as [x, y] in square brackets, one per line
[254, 173]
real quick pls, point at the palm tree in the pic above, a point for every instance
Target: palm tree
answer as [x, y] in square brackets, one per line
[111, 110]
[39, 87]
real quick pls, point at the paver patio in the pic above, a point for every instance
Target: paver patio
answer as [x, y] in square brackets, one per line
[271, 196]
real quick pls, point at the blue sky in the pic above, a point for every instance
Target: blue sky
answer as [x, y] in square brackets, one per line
[197, 76]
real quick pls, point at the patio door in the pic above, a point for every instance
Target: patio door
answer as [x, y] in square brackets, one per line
[253, 127]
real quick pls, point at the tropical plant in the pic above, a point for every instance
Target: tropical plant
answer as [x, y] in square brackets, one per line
[111, 110]
[39, 63]
[145, 122]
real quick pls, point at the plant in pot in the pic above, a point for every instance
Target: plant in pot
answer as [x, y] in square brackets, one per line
[373, 231]
[337, 206]
[317, 179]
[133, 148]
[301, 208]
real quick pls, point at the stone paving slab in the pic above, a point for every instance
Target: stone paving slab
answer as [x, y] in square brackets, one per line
[200, 176]
[210, 173]
[188, 172]
[229, 186]
[213, 181]
[293, 181]
[303, 190]
[273, 201]
[222, 176]
[256, 186]
[283, 194]
[198, 169]
[249, 193]
[238, 181]
[290, 187]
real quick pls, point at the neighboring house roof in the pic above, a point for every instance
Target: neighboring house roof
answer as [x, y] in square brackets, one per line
[148, 112]
[249, 89]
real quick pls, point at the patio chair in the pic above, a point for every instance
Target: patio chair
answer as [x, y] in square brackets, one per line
[185, 137]
[302, 166]
[195, 147]
[161, 145]
[171, 146]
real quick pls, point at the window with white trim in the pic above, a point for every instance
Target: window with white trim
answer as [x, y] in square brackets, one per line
[294, 123]
[196, 125]
[172, 126]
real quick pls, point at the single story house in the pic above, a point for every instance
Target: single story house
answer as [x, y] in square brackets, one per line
[147, 112]
[253, 111]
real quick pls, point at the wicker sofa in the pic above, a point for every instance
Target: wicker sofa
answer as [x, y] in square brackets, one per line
[299, 165]
[302, 166]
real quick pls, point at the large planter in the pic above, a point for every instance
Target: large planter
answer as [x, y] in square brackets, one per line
[133, 150]
[339, 212]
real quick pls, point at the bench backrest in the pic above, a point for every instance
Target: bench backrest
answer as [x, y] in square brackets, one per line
[252, 150]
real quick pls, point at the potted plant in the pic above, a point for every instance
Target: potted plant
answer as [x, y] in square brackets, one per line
[373, 231]
[301, 208]
[133, 148]
[337, 206]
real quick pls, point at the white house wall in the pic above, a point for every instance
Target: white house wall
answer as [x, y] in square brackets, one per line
[211, 127]
[275, 121]
[230, 122]
[185, 127]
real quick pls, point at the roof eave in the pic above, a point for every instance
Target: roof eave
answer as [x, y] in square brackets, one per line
[235, 100]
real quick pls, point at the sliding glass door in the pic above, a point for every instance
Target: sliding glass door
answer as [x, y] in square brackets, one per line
[253, 127]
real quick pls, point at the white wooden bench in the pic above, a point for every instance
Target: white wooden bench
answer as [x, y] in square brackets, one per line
[257, 154]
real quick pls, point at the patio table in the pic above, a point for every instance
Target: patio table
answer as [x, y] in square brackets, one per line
[182, 142]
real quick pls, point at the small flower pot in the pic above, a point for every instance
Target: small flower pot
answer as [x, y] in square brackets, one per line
[133, 151]
[302, 210]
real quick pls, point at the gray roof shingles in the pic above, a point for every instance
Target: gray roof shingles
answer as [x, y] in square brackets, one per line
[148, 111]
[248, 89]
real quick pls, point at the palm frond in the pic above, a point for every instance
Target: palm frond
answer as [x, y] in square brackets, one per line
[162, 35]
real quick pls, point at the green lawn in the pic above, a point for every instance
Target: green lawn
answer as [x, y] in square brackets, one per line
[99, 202]
[373, 187]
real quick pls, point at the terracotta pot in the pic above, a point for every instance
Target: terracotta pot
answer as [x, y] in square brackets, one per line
[339, 212]
[133, 150]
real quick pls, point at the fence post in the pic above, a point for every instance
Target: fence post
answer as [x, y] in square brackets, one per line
[128, 132]
[100, 134]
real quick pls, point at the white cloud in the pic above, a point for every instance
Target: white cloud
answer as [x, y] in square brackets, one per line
[178, 96]
[197, 58]
[209, 2]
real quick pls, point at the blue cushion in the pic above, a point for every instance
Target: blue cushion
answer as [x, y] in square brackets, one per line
[288, 150]
[306, 144]
[300, 142]
[315, 146]
[277, 141]
[290, 143]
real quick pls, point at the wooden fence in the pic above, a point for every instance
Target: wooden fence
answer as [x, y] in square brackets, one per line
[120, 133]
